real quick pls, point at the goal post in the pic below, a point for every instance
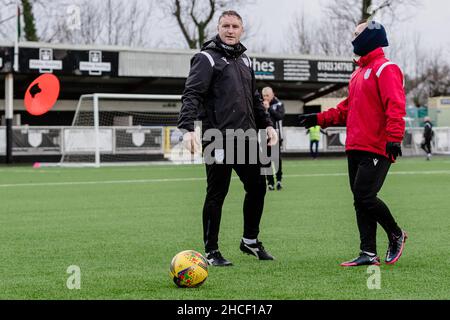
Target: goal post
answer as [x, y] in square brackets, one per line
[119, 129]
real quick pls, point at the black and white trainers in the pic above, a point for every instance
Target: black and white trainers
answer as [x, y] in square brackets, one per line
[216, 259]
[364, 259]
[256, 250]
[279, 186]
[270, 187]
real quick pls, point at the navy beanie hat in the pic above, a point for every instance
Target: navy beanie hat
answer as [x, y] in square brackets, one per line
[373, 37]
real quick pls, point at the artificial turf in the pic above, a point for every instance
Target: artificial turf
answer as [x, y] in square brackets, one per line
[123, 225]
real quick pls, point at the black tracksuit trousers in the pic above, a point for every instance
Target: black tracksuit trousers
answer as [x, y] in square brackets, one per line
[367, 172]
[426, 145]
[218, 182]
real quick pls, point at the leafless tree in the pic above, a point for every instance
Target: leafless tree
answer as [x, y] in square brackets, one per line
[311, 36]
[301, 36]
[332, 36]
[433, 81]
[8, 14]
[7, 18]
[112, 22]
[409, 53]
[352, 11]
[89, 28]
[343, 16]
[195, 17]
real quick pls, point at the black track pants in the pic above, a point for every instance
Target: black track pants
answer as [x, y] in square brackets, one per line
[367, 172]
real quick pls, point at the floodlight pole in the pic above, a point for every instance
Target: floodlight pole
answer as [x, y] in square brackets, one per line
[9, 101]
[16, 41]
[9, 94]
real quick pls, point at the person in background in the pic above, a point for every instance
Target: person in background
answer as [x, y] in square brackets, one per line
[275, 108]
[314, 137]
[428, 134]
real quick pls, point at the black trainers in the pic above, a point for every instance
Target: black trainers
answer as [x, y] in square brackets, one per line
[270, 187]
[395, 249]
[215, 258]
[256, 250]
[279, 186]
[363, 260]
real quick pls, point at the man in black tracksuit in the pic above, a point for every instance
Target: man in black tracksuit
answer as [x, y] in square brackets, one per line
[427, 137]
[275, 109]
[221, 92]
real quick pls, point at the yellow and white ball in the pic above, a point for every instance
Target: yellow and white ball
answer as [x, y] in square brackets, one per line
[188, 269]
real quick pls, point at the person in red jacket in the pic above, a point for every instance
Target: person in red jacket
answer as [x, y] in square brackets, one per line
[373, 114]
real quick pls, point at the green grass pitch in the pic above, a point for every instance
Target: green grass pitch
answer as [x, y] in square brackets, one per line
[123, 225]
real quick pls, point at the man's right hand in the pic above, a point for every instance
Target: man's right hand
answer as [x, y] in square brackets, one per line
[190, 142]
[308, 120]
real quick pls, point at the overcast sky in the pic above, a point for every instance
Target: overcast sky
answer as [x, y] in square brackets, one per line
[269, 22]
[431, 20]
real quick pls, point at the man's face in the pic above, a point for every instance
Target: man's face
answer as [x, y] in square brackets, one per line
[230, 30]
[359, 29]
[268, 95]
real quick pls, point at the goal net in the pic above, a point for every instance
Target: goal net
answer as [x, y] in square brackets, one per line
[122, 129]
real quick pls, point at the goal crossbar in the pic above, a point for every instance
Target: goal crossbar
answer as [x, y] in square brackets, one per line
[95, 109]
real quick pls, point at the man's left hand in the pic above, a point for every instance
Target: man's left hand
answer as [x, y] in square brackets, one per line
[272, 136]
[394, 150]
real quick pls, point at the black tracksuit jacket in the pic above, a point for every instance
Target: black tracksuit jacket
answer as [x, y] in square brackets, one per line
[221, 91]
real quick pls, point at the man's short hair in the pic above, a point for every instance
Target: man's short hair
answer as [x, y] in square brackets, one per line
[231, 13]
[267, 90]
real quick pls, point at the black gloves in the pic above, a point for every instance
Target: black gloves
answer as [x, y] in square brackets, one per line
[393, 150]
[308, 120]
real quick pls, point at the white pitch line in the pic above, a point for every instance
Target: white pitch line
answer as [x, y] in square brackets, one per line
[421, 172]
[311, 175]
[74, 183]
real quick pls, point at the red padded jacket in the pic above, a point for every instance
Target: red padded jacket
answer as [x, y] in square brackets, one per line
[374, 109]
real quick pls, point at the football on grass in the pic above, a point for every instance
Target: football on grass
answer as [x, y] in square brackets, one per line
[188, 269]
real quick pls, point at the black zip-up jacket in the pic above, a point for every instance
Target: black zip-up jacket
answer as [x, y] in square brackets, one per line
[221, 90]
[276, 112]
[428, 130]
